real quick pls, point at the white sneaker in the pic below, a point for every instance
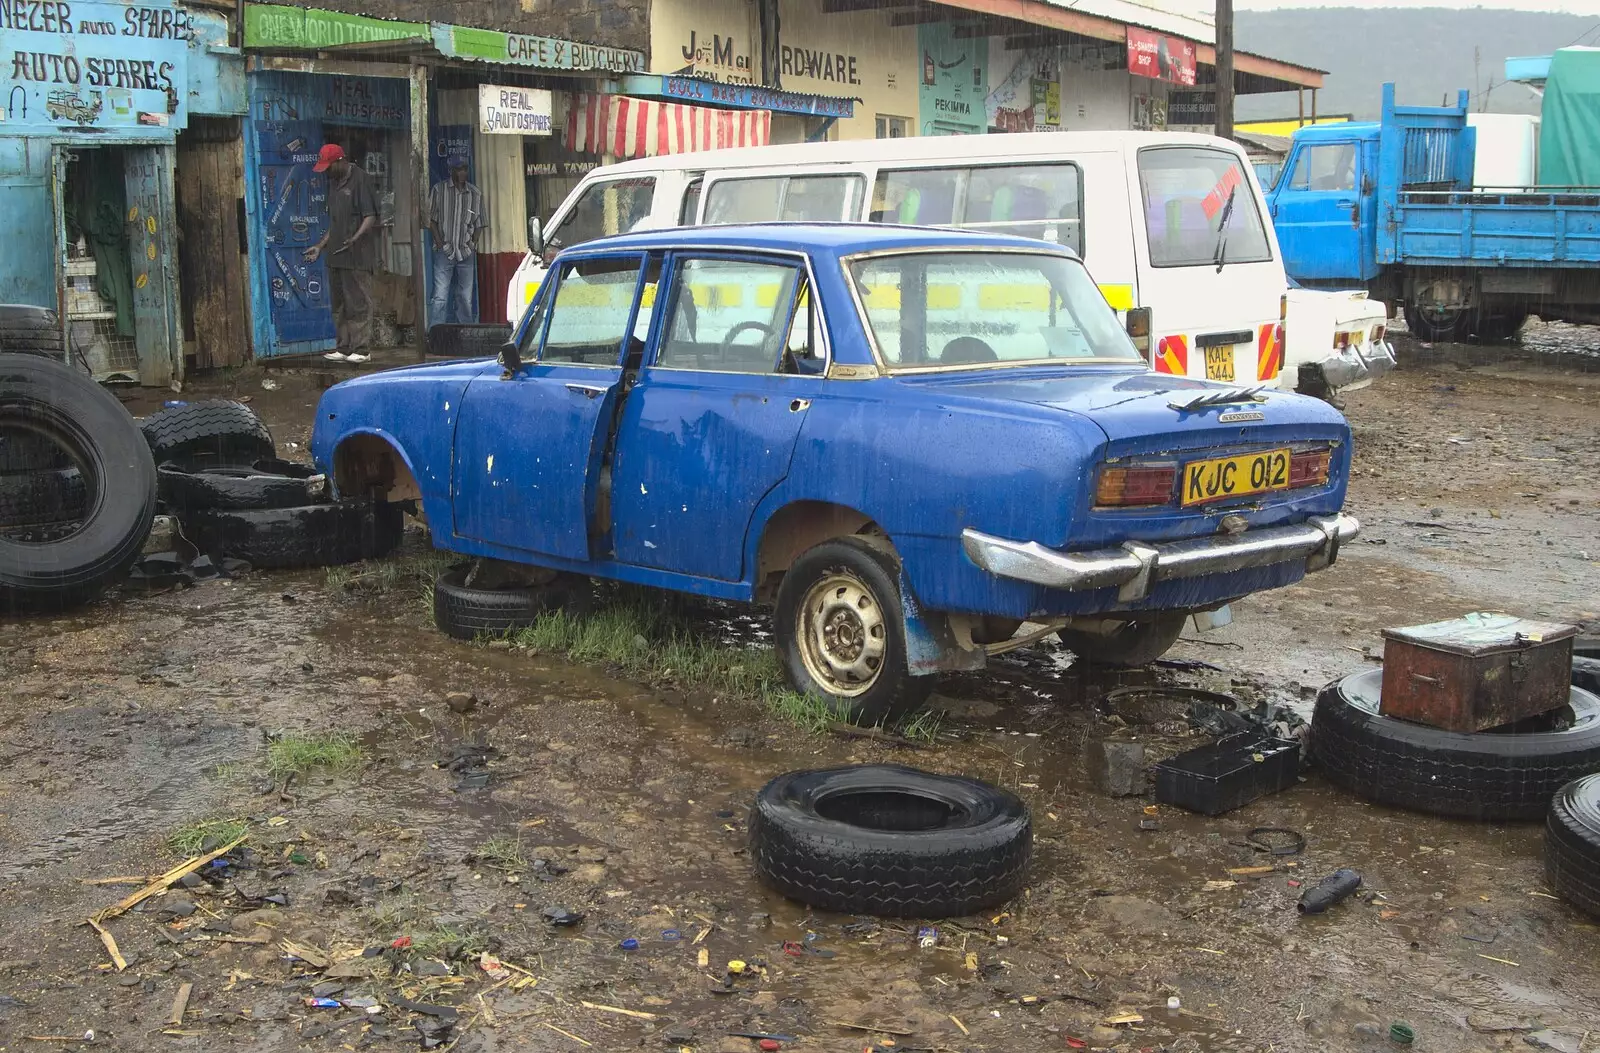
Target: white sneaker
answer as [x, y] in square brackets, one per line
[356, 356]
[336, 356]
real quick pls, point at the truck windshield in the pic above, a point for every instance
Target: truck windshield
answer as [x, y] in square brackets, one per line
[1186, 194]
[965, 310]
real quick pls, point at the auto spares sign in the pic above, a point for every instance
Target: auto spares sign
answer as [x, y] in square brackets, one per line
[513, 111]
[1160, 57]
[89, 68]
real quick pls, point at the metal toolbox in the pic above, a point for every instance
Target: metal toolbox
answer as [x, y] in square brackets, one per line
[1476, 672]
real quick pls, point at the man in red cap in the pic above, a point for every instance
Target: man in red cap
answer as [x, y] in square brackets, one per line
[352, 230]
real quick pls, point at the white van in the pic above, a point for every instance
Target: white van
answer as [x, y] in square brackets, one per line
[1172, 226]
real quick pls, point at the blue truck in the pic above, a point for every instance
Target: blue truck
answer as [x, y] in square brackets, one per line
[1391, 207]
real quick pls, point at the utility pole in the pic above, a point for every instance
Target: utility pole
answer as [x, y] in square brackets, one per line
[1224, 67]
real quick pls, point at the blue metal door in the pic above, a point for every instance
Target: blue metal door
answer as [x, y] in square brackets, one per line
[291, 212]
[1318, 211]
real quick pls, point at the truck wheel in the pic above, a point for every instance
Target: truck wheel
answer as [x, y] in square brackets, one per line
[1436, 326]
[1139, 642]
[841, 635]
[1572, 844]
[1501, 328]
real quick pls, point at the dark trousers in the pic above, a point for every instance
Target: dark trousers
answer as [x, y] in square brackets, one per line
[352, 307]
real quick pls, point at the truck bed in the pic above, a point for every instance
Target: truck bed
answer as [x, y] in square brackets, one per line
[1535, 227]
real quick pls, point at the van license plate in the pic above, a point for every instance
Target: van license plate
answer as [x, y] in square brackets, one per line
[1223, 477]
[1219, 363]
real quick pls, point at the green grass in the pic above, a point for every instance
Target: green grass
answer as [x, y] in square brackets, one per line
[188, 840]
[503, 852]
[296, 754]
[446, 943]
[381, 577]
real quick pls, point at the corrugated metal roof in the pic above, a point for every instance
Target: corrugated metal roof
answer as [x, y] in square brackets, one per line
[1160, 19]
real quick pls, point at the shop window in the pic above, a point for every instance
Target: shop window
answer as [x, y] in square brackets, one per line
[795, 199]
[589, 316]
[892, 127]
[613, 207]
[1043, 201]
[729, 316]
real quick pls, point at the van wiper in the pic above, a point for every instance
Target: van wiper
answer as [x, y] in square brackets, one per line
[1221, 255]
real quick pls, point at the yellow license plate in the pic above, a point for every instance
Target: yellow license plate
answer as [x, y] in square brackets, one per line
[1219, 363]
[1223, 477]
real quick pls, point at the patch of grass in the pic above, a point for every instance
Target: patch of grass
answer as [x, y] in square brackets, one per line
[380, 577]
[193, 839]
[448, 943]
[503, 852]
[296, 754]
[921, 726]
[232, 771]
[396, 915]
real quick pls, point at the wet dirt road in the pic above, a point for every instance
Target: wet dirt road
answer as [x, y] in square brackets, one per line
[124, 722]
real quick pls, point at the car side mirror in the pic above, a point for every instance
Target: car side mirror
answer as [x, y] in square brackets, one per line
[535, 235]
[510, 358]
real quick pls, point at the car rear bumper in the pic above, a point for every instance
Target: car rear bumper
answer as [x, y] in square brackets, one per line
[1136, 566]
[1356, 367]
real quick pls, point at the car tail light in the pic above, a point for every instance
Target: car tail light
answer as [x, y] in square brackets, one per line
[1122, 487]
[1341, 340]
[1139, 329]
[1309, 467]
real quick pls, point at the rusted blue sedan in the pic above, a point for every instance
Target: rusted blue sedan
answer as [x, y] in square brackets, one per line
[908, 442]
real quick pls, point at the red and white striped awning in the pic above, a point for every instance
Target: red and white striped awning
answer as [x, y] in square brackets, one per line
[627, 127]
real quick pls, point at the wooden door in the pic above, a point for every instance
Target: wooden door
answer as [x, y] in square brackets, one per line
[210, 254]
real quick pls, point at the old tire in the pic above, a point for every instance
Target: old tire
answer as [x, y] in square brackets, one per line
[893, 841]
[840, 632]
[266, 484]
[467, 340]
[321, 535]
[29, 330]
[1487, 775]
[208, 433]
[74, 565]
[467, 613]
[1139, 642]
[1572, 844]
[42, 498]
[1439, 328]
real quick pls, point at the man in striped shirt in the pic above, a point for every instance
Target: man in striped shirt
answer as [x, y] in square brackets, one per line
[455, 215]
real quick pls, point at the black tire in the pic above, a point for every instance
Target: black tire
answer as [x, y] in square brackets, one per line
[886, 840]
[321, 535]
[1139, 642]
[44, 498]
[460, 340]
[1490, 775]
[75, 565]
[30, 451]
[202, 434]
[29, 330]
[467, 613]
[1443, 329]
[891, 691]
[1572, 844]
[266, 484]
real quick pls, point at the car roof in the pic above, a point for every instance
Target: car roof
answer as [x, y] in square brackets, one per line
[842, 239]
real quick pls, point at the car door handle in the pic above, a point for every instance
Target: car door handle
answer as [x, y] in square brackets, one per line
[1346, 204]
[588, 391]
[799, 405]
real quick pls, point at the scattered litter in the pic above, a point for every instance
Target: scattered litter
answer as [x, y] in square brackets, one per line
[877, 1029]
[1219, 886]
[324, 1003]
[1502, 961]
[1228, 774]
[1251, 871]
[927, 936]
[441, 1012]
[1402, 1034]
[1174, 1003]
[180, 1005]
[671, 935]
[737, 967]
[1330, 890]
[1123, 1019]
[1262, 839]
[562, 916]
[637, 1014]
[629, 944]
[957, 1022]
[766, 1036]
[493, 966]
[306, 953]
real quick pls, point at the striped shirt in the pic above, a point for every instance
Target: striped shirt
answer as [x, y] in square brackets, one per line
[456, 213]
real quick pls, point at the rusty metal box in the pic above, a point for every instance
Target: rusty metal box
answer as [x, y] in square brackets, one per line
[1476, 672]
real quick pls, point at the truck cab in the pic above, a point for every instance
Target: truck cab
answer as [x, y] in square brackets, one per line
[1325, 206]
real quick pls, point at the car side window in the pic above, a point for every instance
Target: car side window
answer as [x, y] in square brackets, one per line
[728, 316]
[590, 311]
[804, 352]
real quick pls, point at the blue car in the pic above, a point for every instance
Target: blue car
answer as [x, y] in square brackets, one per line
[907, 441]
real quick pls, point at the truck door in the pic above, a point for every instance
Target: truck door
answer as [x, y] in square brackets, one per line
[1319, 213]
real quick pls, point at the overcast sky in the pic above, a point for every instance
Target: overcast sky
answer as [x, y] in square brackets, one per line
[1569, 7]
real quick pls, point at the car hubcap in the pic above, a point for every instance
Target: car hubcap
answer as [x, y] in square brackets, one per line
[842, 635]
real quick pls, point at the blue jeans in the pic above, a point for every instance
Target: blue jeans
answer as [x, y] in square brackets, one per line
[460, 273]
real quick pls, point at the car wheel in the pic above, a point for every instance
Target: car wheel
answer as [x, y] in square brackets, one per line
[1572, 844]
[266, 484]
[891, 841]
[72, 562]
[1502, 773]
[1138, 642]
[466, 613]
[208, 433]
[322, 535]
[841, 635]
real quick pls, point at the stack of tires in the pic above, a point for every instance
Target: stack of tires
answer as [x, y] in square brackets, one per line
[220, 475]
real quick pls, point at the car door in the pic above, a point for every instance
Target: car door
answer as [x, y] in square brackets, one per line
[709, 428]
[1317, 212]
[528, 446]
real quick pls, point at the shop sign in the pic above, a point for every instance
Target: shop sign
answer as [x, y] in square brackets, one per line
[369, 102]
[310, 29]
[118, 69]
[1161, 57]
[716, 59]
[521, 49]
[951, 97]
[739, 96]
[561, 168]
[833, 66]
[513, 111]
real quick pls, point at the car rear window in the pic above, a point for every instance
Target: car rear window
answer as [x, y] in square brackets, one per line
[1199, 208]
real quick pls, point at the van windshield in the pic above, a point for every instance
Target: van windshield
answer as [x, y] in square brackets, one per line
[1199, 208]
[966, 310]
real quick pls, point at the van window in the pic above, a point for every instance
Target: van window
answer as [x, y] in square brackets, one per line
[1199, 208]
[797, 199]
[691, 203]
[613, 207]
[1330, 167]
[1043, 201]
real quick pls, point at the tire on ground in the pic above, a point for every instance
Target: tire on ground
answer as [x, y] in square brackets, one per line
[208, 433]
[29, 330]
[1139, 642]
[874, 573]
[1488, 775]
[467, 613]
[266, 484]
[892, 841]
[321, 535]
[42, 498]
[1572, 844]
[76, 564]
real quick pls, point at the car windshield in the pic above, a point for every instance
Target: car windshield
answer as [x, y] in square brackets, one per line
[961, 310]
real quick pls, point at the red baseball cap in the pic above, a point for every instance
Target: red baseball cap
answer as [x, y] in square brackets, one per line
[329, 154]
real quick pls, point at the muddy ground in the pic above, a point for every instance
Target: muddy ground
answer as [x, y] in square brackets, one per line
[1479, 488]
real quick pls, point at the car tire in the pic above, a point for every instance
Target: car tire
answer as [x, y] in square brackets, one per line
[863, 580]
[463, 340]
[266, 484]
[320, 535]
[890, 841]
[72, 566]
[1139, 642]
[203, 434]
[1572, 844]
[466, 613]
[42, 498]
[1487, 775]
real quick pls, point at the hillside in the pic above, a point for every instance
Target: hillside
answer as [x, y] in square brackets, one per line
[1427, 52]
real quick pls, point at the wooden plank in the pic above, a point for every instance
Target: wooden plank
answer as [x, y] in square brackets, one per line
[210, 182]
